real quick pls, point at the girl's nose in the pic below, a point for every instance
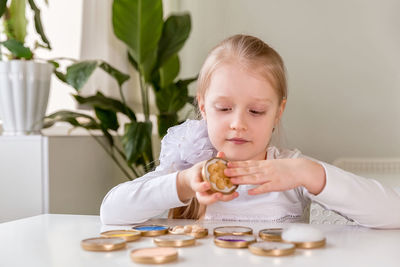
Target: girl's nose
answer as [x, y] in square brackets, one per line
[238, 122]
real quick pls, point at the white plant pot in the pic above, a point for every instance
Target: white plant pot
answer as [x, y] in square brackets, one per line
[24, 93]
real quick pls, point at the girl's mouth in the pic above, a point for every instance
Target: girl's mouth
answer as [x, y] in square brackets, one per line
[237, 141]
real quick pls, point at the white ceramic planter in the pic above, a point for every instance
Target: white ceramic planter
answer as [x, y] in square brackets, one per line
[24, 93]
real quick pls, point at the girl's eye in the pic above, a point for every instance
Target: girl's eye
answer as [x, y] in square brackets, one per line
[223, 109]
[256, 112]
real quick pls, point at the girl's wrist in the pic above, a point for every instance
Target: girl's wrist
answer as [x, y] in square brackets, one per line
[185, 192]
[314, 178]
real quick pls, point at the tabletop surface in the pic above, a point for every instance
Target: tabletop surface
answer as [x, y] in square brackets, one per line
[54, 240]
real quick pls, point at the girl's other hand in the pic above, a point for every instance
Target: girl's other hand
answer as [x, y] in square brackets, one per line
[190, 183]
[277, 175]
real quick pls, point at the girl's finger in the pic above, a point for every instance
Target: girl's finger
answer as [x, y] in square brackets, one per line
[201, 187]
[250, 179]
[243, 164]
[264, 188]
[220, 154]
[206, 198]
[229, 197]
[239, 171]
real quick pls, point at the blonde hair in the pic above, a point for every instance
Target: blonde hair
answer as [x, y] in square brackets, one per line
[254, 55]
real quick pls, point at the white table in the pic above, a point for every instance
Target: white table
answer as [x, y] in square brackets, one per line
[54, 240]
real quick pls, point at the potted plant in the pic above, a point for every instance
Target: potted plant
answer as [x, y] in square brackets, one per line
[24, 81]
[152, 48]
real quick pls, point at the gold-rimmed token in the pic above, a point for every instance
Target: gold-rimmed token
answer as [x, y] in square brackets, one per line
[310, 244]
[213, 172]
[232, 230]
[157, 255]
[196, 231]
[276, 249]
[128, 235]
[234, 241]
[174, 240]
[151, 229]
[271, 234]
[304, 236]
[103, 243]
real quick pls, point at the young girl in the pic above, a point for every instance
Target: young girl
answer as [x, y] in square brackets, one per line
[242, 94]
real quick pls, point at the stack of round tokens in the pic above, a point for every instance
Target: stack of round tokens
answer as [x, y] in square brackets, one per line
[151, 230]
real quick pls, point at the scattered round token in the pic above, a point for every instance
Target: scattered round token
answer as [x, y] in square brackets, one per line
[267, 248]
[232, 230]
[304, 236]
[103, 243]
[128, 235]
[174, 240]
[196, 231]
[234, 241]
[213, 172]
[271, 234]
[157, 255]
[151, 230]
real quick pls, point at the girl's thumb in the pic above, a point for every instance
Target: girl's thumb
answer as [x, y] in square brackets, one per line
[221, 154]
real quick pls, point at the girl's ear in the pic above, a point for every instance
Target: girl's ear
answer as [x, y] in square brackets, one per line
[201, 104]
[280, 111]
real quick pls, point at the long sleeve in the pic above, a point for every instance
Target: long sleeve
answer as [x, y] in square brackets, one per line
[363, 200]
[150, 195]
[138, 200]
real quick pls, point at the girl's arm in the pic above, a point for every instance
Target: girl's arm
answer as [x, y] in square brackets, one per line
[366, 201]
[139, 200]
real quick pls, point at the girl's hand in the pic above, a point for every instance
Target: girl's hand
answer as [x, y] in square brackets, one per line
[277, 175]
[190, 183]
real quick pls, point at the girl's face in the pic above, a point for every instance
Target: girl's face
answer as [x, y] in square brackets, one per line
[241, 109]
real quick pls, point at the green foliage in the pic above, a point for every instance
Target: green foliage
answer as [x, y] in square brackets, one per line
[15, 28]
[152, 49]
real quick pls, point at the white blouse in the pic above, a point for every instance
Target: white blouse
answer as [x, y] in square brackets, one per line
[365, 201]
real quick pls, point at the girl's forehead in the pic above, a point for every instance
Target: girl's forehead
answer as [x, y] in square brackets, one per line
[233, 80]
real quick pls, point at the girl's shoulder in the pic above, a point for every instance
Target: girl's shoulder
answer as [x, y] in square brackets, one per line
[282, 153]
[186, 144]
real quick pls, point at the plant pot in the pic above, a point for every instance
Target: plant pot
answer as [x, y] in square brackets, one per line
[24, 93]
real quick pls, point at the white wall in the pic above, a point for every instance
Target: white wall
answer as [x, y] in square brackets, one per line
[342, 59]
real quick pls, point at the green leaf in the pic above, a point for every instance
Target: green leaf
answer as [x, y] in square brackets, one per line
[171, 99]
[132, 61]
[107, 103]
[169, 71]
[183, 85]
[137, 141]
[165, 121]
[138, 23]
[18, 49]
[78, 74]
[17, 22]
[118, 76]
[73, 118]
[175, 32]
[108, 118]
[3, 7]
[38, 23]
